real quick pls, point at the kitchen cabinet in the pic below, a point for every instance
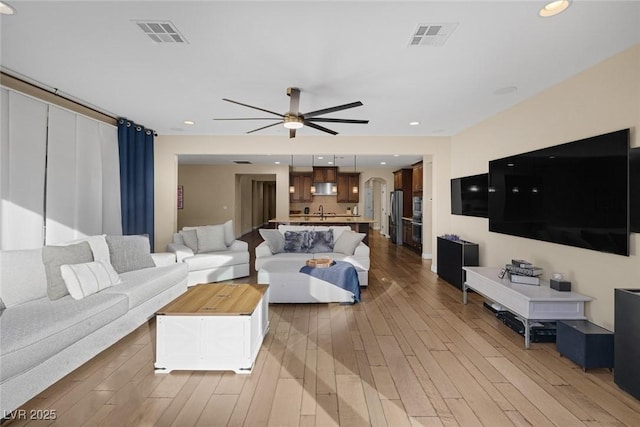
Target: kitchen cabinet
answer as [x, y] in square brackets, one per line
[402, 180]
[406, 232]
[301, 183]
[416, 178]
[409, 238]
[325, 174]
[346, 183]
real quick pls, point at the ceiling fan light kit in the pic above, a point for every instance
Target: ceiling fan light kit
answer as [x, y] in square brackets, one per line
[294, 120]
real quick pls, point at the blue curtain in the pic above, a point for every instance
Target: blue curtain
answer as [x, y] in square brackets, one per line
[136, 178]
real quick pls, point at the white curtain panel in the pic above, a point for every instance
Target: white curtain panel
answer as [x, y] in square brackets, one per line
[61, 177]
[22, 164]
[111, 212]
[83, 178]
[82, 191]
[88, 177]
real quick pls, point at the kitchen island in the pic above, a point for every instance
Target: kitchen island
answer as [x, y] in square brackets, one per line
[356, 222]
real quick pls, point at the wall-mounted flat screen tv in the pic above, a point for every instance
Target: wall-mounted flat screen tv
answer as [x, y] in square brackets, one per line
[469, 195]
[575, 194]
[634, 189]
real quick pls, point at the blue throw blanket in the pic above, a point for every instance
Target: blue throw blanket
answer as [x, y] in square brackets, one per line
[341, 274]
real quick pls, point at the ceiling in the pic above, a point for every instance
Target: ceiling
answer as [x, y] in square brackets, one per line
[336, 52]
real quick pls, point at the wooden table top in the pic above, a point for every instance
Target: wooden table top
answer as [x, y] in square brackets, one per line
[216, 300]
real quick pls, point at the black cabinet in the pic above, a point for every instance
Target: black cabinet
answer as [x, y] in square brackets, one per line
[626, 373]
[452, 256]
[589, 345]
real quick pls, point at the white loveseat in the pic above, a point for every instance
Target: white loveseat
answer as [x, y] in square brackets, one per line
[281, 270]
[228, 259]
[42, 340]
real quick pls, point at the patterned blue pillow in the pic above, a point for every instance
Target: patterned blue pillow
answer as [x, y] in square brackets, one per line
[296, 241]
[320, 241]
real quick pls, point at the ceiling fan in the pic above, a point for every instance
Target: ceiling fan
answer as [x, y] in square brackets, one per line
[294, 120]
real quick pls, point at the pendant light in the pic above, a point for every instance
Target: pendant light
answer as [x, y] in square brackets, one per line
[292, 188]
[354, 189]
[313, 187]
[334, 187]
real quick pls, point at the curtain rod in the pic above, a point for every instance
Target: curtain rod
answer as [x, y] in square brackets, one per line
[52, 96]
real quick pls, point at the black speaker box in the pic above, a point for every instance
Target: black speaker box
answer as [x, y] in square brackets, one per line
[560, 285]
[589, 345]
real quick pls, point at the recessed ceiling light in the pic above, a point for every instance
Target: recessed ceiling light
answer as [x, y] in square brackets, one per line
[505, 90]
[330, 163]
[414, 123]
[555, 7]
[320, 157]
[277, 163]
[396, 155]
[5, 9]
[383, 163]
[189, 122]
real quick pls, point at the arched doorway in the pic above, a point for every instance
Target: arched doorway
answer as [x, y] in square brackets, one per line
[376, 204]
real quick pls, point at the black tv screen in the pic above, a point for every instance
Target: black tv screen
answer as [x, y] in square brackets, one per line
[634, 189]
[469, 195]
[575, 194]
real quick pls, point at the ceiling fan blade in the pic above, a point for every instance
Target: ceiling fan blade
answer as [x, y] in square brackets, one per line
[294, 103]
[332, 109]
[292, 133]
[251, 106]
[264, 127]
[248, 118]
[320, 119]
[320, 128]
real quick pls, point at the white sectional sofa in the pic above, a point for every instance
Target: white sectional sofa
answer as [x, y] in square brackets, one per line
[220, 260]
[42, 340]
[281, 269]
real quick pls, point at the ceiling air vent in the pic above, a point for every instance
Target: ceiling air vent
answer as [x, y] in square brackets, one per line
[432, 34]
[242, 162]
[161, 31]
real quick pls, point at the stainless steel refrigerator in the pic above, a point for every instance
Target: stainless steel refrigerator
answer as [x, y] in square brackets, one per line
[395, 219]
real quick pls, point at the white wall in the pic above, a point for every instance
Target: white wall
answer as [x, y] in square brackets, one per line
[602, 99]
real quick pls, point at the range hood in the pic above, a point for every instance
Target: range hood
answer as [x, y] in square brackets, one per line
[325, 189]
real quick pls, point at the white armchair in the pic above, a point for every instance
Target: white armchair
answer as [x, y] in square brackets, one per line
[230, 261]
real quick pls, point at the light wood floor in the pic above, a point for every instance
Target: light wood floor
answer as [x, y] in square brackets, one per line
[409, 355]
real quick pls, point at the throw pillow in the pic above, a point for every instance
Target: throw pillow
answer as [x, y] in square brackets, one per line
[98, 245]
[320, 241]
[88, 278]
[210, 238]
[296, 241]
[129, 253]
[190, 238]
[229, 233]
[348, 242]
[273, 238]
[55, 256]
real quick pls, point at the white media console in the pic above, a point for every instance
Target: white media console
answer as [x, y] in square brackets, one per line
[529, 303]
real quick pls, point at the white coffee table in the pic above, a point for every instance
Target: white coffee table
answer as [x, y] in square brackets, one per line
[213, 327]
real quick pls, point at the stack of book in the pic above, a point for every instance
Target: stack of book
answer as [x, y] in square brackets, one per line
[521, 271]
